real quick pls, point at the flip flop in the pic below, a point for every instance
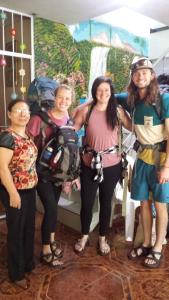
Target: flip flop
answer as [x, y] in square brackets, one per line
[51, 260]
[56, 249]
[103, 248]
[138, 252]
[80, 247]
[152, 260]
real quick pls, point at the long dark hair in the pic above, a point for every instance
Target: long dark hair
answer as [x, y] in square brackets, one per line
[152, 94]
[111, 110]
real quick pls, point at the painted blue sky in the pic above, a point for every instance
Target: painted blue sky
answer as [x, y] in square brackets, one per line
[101, 31]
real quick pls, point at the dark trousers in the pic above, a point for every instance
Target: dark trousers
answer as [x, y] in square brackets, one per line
[88, 193]
[49, 195]
[21, 229]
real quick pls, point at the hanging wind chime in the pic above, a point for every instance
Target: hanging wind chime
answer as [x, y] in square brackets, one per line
[13, 34]
[22, 70]
[3, 17]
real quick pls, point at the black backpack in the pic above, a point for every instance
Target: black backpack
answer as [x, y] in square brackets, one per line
[41, 94]
[60, 158]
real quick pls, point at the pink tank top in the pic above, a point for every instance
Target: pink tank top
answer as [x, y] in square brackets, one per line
[99, 137]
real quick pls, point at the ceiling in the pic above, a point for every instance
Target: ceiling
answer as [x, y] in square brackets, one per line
[75, 11]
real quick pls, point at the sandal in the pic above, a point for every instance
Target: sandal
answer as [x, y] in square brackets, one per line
[51, 260]
[81, 245]
[153, 259]
[22, 283]
[56, 249]
[139, 252]
[103, 247]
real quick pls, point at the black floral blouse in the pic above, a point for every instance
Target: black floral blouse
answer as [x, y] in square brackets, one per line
[23, 163]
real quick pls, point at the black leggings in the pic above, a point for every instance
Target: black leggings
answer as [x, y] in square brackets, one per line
[21, 229]
[88, 193]
[49, 195]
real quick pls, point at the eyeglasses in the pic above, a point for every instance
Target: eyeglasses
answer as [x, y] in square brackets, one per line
[23, 111]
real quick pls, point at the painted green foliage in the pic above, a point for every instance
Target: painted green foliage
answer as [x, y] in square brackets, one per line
[63, 58]
[118, 66]
[85, 48]
[55, 46]
[57, 54]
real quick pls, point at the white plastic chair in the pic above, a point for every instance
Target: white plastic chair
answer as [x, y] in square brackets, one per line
[128, 206]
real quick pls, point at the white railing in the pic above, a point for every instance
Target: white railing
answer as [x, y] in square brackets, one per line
[161, 65]
[162, 56]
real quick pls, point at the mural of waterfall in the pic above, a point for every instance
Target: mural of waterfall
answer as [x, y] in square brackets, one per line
[98, 65]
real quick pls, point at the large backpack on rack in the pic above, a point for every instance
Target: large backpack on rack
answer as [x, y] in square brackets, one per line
[41, 93]
[60, 158]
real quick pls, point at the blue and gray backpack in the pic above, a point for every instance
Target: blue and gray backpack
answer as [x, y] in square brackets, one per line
[41, 93]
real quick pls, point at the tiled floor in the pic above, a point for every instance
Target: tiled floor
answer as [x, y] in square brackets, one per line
[88, 277]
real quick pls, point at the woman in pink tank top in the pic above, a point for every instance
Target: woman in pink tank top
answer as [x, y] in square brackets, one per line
[101, 161]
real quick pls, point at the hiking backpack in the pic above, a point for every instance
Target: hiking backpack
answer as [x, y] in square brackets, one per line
[41, 93]
[60, 156]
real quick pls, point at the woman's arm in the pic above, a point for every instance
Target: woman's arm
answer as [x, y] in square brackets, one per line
[79, 117]
[79, 107]
[121, 99]
[125, 119]
[6, 177]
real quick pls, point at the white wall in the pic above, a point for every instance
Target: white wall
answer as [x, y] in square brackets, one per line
[159, 42]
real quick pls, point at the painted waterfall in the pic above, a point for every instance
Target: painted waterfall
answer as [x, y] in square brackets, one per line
[98, 65]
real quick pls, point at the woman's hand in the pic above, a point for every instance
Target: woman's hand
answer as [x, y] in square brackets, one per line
[69, 186]
[76, 184]
[15, 200]
[120, 112]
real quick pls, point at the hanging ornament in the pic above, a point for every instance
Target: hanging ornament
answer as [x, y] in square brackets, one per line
[13, 32]
[22, 46]
[14, 96]
[2, 62]
[23, 89]
[3, 16]
[22, 72]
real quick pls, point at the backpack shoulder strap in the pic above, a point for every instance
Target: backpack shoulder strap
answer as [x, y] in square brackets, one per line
[45, 122]
[120, 133]
[70, 121]
[157, 106]
[46, 119]
[90, 108]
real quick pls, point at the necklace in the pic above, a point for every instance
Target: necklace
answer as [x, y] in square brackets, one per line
[24, 135]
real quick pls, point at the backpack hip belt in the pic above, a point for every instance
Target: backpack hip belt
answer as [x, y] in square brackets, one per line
[161, 146]
[157, 148]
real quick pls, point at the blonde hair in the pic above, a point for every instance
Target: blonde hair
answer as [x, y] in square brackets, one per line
[68, 88]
